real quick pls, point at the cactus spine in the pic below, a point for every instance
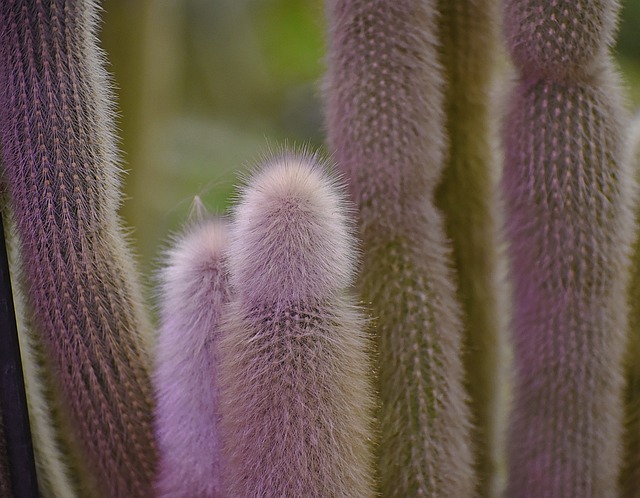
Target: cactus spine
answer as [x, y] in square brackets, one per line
[194, 290]
[297, 401]
[60, 167]
[568, 197]
[54, 470]
[467, 31]
[385, 126]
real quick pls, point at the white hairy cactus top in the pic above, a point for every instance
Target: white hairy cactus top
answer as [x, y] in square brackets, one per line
[291, 190]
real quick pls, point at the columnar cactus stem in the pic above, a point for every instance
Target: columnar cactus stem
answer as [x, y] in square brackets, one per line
[568, 196]
[60, 167]
[386, 126]
[194, 291]
[630, 476]
[56, 475]
[297, 400]
[469, 47]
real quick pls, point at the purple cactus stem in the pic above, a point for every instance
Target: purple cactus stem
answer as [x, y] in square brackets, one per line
[386, 129]
[569, 196]
[56, 476]
[297, 399]
[61, 170]
[193, 293]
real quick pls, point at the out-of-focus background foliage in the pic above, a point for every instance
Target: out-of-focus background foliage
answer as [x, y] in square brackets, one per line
[204, 86]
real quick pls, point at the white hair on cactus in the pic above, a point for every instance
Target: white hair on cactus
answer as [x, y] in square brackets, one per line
[193, 293]
[291, 230]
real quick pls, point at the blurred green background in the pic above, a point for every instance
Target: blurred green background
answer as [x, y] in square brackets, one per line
[204, 86]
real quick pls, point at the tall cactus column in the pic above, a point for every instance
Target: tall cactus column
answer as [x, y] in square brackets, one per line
[469, 50]
[630, 476]
[60, 166]
[386, 128]
[568, 200]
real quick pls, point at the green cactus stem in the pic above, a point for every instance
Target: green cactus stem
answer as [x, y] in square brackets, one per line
[469, 47]
[630, 475]
[386, 129]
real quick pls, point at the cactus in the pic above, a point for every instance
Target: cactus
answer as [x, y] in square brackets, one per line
[264, 360]
[630, 475]
[465, 195]
[296, 399]
[194, 290]
[60, 168]
[569, 201]
[56, 473]
[559, 39]
[385, 126]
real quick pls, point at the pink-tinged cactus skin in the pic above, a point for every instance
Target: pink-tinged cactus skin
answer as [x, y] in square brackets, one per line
[385, 126]
[468, 31]
[569, 196]
[56, 476]
[297, 400]
[60, 167]
[559, 39]
[193, 293]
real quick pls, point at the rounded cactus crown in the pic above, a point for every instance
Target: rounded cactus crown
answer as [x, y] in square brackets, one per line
[559, 39]
[292, 233]
[200, 251]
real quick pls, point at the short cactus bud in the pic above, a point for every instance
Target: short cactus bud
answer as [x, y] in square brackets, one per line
[193, 293]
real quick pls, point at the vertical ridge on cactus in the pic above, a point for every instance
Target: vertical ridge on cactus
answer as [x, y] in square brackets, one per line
[569, 198]
[467, 31]
[60, 167]
[194, 291]
[297, 401]
[385, 126]
[630, 475]
[56, 474]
